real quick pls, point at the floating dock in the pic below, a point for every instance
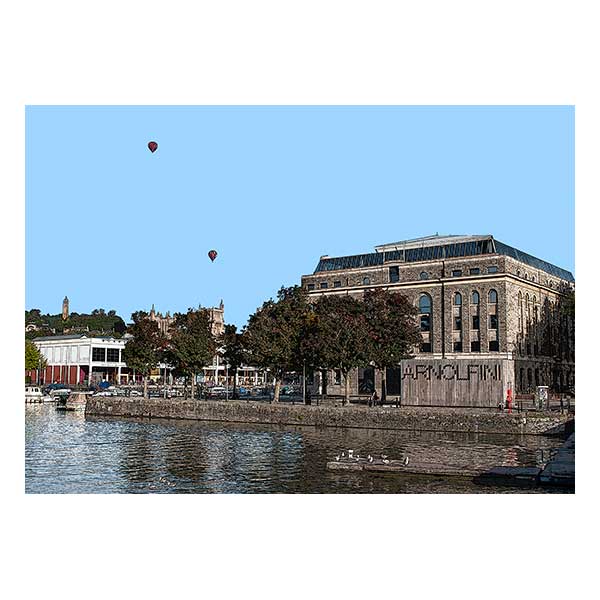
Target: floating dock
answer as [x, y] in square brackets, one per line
[527, 475]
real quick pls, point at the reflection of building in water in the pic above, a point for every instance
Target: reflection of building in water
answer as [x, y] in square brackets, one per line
[483, 308]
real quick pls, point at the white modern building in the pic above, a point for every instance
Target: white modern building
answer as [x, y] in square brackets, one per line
[77, 358]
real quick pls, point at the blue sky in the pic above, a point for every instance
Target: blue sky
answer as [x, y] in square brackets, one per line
[111, 225]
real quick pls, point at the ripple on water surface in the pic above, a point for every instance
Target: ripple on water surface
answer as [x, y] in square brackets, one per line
[67, 453]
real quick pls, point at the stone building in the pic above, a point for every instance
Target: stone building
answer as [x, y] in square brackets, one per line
[216, 319]
[489, 316]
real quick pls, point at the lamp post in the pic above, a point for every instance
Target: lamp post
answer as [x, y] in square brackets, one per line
[226, 381]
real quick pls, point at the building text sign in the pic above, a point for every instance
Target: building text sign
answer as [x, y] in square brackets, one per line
[453, 371]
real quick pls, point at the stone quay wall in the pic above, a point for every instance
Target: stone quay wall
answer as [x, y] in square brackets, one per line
[423, 419]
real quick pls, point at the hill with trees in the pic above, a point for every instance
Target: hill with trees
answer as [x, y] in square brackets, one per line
[99, 322]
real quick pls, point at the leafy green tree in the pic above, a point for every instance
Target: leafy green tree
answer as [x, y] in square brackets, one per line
[191, 346]
[142, 351]
[33, 357]
[392, 330]
[233, 351]
[274, 332]
[336, 336]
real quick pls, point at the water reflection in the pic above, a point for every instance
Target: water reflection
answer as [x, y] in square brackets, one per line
[66, 453]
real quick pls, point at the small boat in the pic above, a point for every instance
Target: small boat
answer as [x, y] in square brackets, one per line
[60, 397]
[33, 394]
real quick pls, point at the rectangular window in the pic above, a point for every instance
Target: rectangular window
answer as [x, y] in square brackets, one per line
[394, 274]
[492, 269]
[457, 346]
[426, 347]
[99, 354]
[338, 376]
[366, 380]
[494, 346]
[337, 284]
[474, 271]
[311, 286]
[323, 285]
[457, 323]
[425, 322]
[112, 355]
[456, 273]
[475, 346]
[493, 321]
[475, 322]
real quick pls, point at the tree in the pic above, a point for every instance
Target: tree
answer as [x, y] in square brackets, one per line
[336, 336]
[33, 357]
[142, 351]
[191, 346]
[392, 330]
[274, 332]
[233, 351]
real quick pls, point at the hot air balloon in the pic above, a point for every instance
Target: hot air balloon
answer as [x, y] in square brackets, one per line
[212, 255]
[152, 146]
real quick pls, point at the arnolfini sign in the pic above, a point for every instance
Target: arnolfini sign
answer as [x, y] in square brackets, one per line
[464, 382]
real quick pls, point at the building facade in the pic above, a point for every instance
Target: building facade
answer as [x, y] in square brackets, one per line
[77, 359]
[484, 307]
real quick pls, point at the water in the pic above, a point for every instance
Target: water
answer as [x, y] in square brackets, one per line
[67, 453]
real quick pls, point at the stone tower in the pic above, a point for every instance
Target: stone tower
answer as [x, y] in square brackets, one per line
[65, 309]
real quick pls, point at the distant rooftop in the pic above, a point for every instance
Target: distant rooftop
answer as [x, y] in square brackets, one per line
[73, 336]
[438, 247]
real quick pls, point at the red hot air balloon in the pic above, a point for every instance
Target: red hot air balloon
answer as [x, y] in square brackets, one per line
[212, 255]
[152, 146]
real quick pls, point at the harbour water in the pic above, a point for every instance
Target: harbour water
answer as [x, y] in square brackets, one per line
[67, 453]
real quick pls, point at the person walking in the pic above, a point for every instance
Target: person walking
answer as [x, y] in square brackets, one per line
[374, 398]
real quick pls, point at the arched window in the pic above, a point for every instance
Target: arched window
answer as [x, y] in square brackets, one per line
[366, 281]
[520, 312]
[424, 275]
[457, 299]
[475, 298]
[493, 297]
[425, 303]
[425, 311]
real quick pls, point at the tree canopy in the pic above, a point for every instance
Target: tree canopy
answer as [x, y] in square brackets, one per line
[274, 332]
[336, 335]
[232, 349]
[191, 345]
[96, 323]
[142, 352]
[33, 357]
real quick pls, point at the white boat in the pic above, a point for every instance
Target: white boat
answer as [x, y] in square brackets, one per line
[33, 393]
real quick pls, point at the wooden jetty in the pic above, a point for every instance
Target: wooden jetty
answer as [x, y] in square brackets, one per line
[526, 475]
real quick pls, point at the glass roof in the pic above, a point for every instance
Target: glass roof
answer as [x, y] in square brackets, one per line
[439, 252]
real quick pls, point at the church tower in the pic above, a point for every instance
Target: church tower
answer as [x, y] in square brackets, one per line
[65, 309]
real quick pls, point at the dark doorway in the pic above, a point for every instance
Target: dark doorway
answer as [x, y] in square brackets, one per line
[392, 378]
[366, 380]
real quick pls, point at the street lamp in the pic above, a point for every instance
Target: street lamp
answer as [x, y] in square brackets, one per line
[227, 381]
